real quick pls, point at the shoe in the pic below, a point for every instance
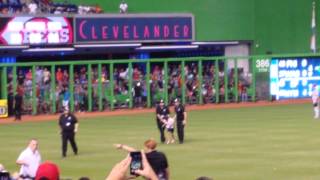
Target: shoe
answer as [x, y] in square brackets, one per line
[168, 142]
[172, 141]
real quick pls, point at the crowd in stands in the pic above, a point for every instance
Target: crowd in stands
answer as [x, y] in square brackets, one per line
[121, 86]
[46, 7]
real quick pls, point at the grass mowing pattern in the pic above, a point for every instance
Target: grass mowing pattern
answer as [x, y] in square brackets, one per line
[278, 142]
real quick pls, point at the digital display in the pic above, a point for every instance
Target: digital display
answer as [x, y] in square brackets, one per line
[294, 78]
[28, 30]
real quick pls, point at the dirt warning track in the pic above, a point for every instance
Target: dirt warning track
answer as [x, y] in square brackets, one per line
[51, 117]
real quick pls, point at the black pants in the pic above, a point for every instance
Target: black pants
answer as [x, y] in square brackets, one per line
[180, 131]
[17, 112]
[161, 129]
[68, 136]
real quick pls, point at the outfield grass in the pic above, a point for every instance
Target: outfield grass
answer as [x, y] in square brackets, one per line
[278, 143]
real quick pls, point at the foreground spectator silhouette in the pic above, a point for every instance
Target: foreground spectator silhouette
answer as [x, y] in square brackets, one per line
[48, 171]
[119, 171]
[158, 160]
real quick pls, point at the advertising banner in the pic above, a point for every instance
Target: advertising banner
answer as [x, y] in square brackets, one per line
[30, 30]
[3, 108]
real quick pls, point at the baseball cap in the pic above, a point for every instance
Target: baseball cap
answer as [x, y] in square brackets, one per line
[48, 170]
[176, 100]
[161, 101]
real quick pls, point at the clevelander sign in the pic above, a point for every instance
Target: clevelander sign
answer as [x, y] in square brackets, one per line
[134, 28]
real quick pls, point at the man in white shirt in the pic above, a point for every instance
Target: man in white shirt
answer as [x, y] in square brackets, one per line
[123, 7]
[29, 160]
[315, 100]
[32, 7]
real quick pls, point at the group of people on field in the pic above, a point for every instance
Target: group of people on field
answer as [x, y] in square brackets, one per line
[30, 158]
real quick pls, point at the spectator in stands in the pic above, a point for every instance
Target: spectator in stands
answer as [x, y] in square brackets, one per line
[39, 75]
[21, 77]
[123, 7]
[137, 94]
[29, 75]
[65, 77]
[18, 101]
[136, 74]
[243, 92]
[29, 160]
[123, 75]
[46, 76]
[98, 9]
[158, 160]
[33, 7]
[59, 76]
[57, 95]
[66, 98]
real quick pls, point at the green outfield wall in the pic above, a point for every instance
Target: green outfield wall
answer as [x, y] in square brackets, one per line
[273, 26]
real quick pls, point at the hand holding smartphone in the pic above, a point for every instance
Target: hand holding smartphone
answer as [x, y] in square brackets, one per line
[136, 162]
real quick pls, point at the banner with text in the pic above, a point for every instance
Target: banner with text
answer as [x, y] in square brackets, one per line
[36, 30]
[135, 28]
[3, 108]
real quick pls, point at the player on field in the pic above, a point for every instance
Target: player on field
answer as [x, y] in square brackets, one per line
[315, 100]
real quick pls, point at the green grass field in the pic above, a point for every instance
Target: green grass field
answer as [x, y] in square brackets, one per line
[278, 143]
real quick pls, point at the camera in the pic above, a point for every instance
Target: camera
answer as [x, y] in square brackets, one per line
[136, 162]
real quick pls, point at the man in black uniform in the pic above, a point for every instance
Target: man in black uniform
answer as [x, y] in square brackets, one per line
[18, 106]
[69, 126]
[137, 94]
[161, 111]
[181, 115]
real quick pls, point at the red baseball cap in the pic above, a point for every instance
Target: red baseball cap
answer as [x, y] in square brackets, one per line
[48, 170]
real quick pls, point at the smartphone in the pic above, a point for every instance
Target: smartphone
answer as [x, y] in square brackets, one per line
[136, 162]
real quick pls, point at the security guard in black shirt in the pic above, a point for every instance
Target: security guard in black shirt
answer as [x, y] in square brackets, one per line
[69, 126]
[161, 111]
[18, 106]
[181, 115]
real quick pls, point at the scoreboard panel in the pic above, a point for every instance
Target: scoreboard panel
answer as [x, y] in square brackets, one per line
[294, 77]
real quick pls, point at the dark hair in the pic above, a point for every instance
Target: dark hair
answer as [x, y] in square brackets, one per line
[84, 178]
[204, 178]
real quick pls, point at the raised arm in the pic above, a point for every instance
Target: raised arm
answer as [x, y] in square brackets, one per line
[125, 147]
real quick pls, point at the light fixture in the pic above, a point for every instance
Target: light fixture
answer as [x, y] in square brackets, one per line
[167, 47]
[215, 43]
[48, 49]
[14, 47]
[106, 45]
